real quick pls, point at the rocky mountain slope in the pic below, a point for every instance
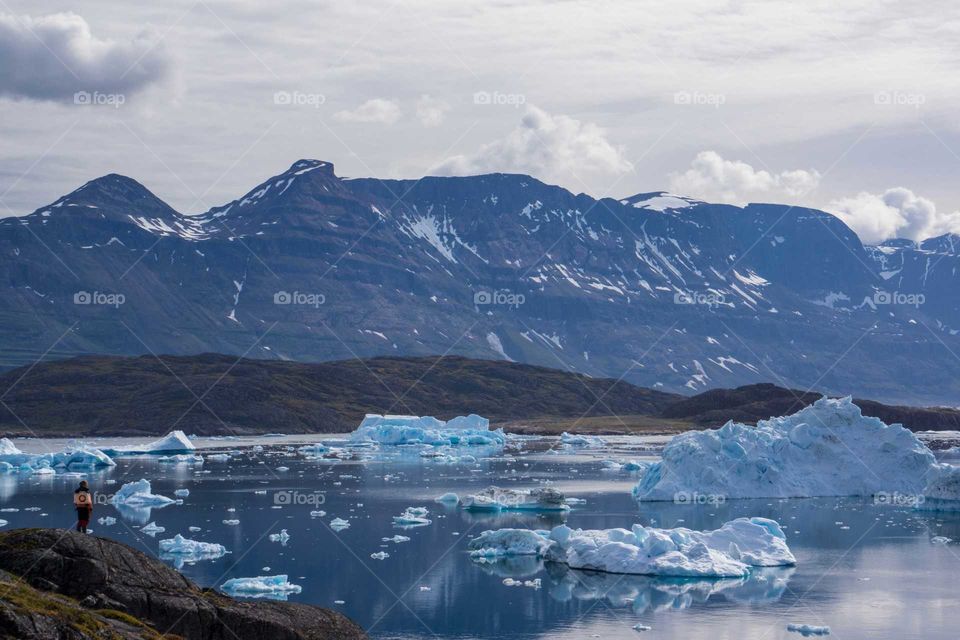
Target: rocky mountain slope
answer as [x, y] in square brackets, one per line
[668, 292]
[62, 584]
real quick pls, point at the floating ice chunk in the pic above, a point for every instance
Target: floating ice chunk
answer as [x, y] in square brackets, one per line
[270, 587]
[448, 498]
[181, 458]
[380, 555]
[173, 442]
[412, 517]
[183, 550]
[471, 430]
[534, 584]
[942, 493]
[138, 494]
[940, 540]
[398, 539]
[231, 523]
[826, 449]
[281, 537]
[576, 440]
[194, 529]
[317, 514]
[152, 529]
[497, 499]
[107, 521]
[339, 524]
[182, 493]
[282, 469]
[218, 457]
[729, 551]
[79, 455]
[808, 630]
[314, 450]
[641, 627]
[3, 523]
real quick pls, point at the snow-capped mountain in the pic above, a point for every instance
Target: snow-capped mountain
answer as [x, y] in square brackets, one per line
[667, 291]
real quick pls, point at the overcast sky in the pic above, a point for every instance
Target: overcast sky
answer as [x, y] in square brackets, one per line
[850, 107]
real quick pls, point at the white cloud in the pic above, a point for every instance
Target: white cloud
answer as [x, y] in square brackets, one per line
[896, 213]
[375, 110]
[557, 148]
[55, 56]
[714, 179]
[431, 111]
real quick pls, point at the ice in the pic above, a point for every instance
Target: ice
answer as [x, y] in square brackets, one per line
[107, 521]
[281, 537]
[313, 450]
[380, 555]
[183, 550]
[181, 458]
[448, 498]
[231, 523]
[497, 499]
[218, 457]
[138, 494]
[3, 523]
[826, 449]
[339, 524]
[728, 552]
[172, 443]
[152, 529]
[76, 455]
[412, 517]
[942, 493]
[471, 430]
[182, 493]
[808, 630]
[270, 587]
[575, 440]
[397, 538]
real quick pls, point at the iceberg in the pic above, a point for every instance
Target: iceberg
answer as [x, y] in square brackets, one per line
[181, 458]
[731, 551]
[339, 524]
[152, 529]
[471, 430]
[182, 493]
[138, 494]
[497, 499]
[270, 587]
[183, 550]
[412, 517]
[826, 449]
[281, 537]
[942, 493]
[575, 440]
[172, 443]
[807, 630]
[76, 455]
[448, 498]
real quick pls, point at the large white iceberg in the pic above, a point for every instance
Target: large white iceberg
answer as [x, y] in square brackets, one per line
[497, 499]
[728, 552]
[471, 430]
[272, 587]
[174, 442]
[826, 449]
[942, 493]
[75, 455]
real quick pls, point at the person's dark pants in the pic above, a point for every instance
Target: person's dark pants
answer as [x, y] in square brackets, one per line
[83, 519]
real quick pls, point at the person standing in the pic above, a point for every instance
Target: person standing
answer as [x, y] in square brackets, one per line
[83, 503]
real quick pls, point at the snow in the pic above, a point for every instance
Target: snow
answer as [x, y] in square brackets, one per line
[271, 587]
[733, 550]
[174, 442]
[138, 494]
[826, 449]
[471, 430]
[497, 499]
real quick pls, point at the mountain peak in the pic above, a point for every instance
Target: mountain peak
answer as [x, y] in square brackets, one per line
[307, 165]
[112, 194]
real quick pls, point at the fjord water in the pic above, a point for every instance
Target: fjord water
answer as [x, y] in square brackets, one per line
[866, 570]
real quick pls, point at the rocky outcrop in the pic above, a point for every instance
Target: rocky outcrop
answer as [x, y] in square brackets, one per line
[82, 586]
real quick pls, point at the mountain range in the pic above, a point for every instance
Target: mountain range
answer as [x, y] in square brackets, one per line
[660, 290]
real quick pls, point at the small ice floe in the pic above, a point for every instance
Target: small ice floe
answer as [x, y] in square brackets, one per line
[282, 469]
[940, 540]
[397, 538]
[533, 584]
[448, 498]
[281, 537]
[218, 457]
[269, 587]
[641, 627]
[380, 555]
[3, 523]
[313, 450]
[942, 492]
[152, 529]
[339, 524]
[728, 552]
[183, 550]
[181, 458]
[175, 442]
[497, 499]
[194, 529]
[808, 630]
[471, 430]
[575, 440]
[107, 521]
[318, 514]
[182, 493]
[425, 588]
[231, 523]
[412, 517]
[139, 494]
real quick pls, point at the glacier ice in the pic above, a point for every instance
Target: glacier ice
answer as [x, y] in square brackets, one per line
[497, 499]
[412, 517]
[175, 442]
[76, 455]
[448, 498]
[152, 529]
[728, 552]
[138, 494]
[942, 493]
[183, 550]
[270, 587]
[471, 430]
[826, 449]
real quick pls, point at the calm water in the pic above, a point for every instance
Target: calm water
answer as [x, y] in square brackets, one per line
[866, 571]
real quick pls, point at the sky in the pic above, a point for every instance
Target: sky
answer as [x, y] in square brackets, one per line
[848, 107]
